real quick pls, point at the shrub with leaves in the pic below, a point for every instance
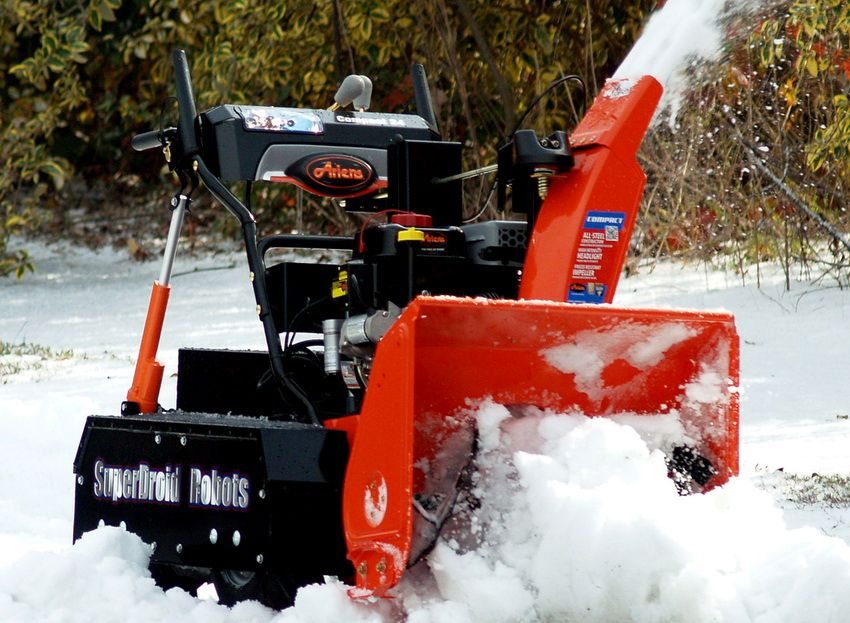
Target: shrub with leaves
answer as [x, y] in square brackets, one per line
[757, 166]
[79, 78]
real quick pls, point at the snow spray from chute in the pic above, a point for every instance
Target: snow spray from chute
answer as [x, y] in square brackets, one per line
[676, 39]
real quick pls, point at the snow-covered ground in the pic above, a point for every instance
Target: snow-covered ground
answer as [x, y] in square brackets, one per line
[583, 525]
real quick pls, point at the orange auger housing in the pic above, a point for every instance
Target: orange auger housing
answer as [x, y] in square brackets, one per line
[443, 354]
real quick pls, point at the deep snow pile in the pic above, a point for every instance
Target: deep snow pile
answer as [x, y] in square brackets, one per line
[577, 518]
[583, 524]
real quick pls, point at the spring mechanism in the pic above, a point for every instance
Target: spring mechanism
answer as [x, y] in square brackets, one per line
[542, 177]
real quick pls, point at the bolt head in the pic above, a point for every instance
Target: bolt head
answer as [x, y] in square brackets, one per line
[179, 548]
[157, 439]
[259, 559]
[182, 440]
[80, 480]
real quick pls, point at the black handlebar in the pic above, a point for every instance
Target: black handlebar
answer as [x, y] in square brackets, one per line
[186, 103]
[152, 139]
[422, 96]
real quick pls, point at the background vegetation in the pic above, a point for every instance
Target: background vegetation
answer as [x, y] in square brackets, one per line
[756, 166]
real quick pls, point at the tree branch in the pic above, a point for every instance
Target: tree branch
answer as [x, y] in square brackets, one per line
[505, 93]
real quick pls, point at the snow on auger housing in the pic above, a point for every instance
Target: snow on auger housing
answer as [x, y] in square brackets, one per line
[341, 455]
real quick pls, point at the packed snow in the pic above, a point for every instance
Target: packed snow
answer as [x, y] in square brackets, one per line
[577, 518]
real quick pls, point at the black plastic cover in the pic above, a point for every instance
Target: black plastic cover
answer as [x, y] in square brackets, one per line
[234, 143]
[217, 491]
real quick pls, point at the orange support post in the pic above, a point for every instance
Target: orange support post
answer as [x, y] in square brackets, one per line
[148, 376]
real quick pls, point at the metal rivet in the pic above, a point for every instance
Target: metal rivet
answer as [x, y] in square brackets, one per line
[179, 548]
[237, 538]
[80, 480]
[153, 547]
[251, 276]
[259, 559]
[362, 568]
[157, 439]
[213, 536]
[259, 310]
[261, 493]
[381, 566]
[182, 440]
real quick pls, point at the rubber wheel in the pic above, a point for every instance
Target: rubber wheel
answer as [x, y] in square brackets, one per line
[270, 589]
[167, 577]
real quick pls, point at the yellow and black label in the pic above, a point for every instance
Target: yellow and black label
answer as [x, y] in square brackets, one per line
[339, 287]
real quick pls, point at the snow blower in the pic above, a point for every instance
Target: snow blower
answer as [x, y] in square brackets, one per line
[342, 454]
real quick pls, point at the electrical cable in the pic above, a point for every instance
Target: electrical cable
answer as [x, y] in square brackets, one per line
[287, 381]
[165, 104]
[534, 103]
[289, 335]
[552, 86]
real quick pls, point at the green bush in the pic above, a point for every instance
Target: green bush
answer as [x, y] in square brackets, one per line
[758, 167]
[78, 78]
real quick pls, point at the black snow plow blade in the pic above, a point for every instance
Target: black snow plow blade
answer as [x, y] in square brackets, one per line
[220, 492]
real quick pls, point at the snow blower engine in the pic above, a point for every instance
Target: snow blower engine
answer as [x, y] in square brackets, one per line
[339, 450]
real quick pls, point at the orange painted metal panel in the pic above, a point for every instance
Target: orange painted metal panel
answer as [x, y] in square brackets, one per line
[579, 243]
[147, 378]
[444, 354]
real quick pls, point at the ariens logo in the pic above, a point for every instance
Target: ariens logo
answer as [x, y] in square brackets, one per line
[331, 170]
[333, 175]
[338, 172]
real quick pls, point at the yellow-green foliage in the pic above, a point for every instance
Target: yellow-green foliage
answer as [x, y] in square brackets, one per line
[759, 166]
[79, 77]
[813, 40]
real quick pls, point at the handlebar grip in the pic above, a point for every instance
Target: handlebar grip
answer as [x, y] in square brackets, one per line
[186, 103]
[422, 96]
[147, 140]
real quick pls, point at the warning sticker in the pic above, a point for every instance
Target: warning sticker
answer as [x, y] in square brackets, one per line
[597, 256]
